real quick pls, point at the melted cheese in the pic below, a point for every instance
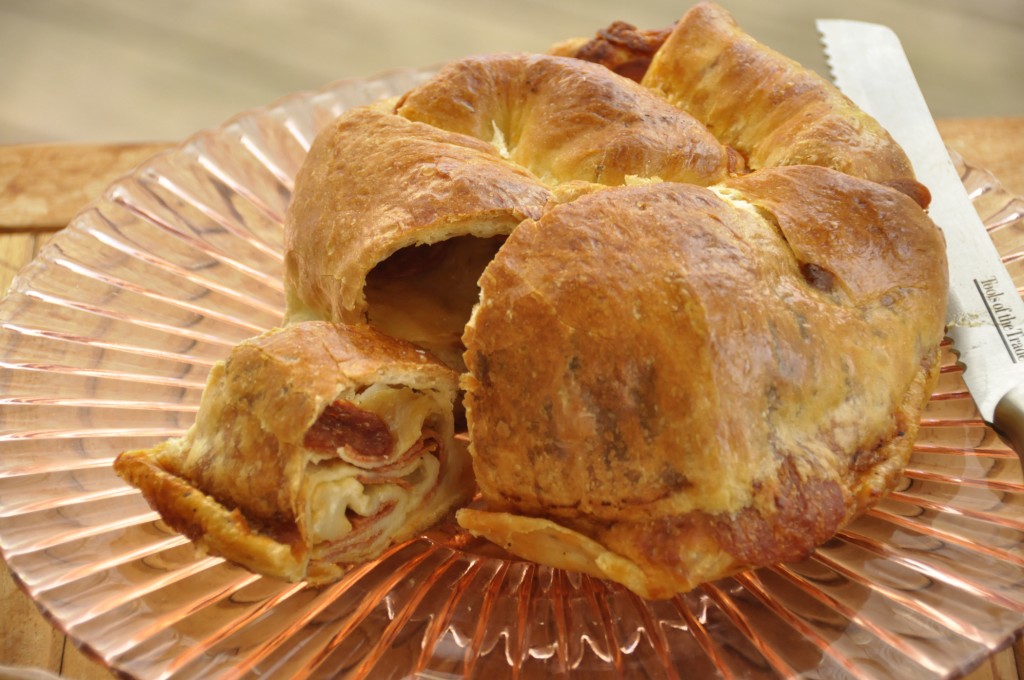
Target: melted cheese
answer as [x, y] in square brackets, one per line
[338, 485]
[498, 141]
[403, 409]
[639, 181]
[334, 489]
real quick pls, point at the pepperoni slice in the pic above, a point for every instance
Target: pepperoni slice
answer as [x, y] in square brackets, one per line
[345, 424]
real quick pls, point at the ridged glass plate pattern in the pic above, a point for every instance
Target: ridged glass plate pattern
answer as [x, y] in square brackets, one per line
[105, 342]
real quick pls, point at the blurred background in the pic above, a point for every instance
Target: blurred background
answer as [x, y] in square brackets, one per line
[151, 70]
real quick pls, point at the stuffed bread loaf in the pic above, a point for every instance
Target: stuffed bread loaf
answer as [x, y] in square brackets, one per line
[710, 303]
[696, 385]
[707, 317]
[316, 446]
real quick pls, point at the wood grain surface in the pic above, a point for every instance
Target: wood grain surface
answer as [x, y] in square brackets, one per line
[42, 187]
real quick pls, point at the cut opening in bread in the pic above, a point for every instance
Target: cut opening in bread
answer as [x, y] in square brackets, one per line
[426, 293]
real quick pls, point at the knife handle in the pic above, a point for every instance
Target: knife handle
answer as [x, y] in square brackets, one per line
[1008, 418]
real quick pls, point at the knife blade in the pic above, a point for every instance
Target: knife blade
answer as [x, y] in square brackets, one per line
[985, 316]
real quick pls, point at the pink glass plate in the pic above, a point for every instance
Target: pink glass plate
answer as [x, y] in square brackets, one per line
[105, 342]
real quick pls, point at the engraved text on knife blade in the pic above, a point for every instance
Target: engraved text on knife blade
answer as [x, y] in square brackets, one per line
[1003, 317]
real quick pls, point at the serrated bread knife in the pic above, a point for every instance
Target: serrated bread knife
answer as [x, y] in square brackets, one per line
[985, 314]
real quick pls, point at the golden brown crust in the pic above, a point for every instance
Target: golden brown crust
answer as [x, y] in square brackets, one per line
[660, 557]
[773, 110]
[474, 151]
[374, 183]
[566, 120]
[705, 366]
[206, 521]
[485, 144]
[235, 483]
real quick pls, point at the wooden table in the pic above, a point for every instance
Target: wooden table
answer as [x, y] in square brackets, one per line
[41, 189]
